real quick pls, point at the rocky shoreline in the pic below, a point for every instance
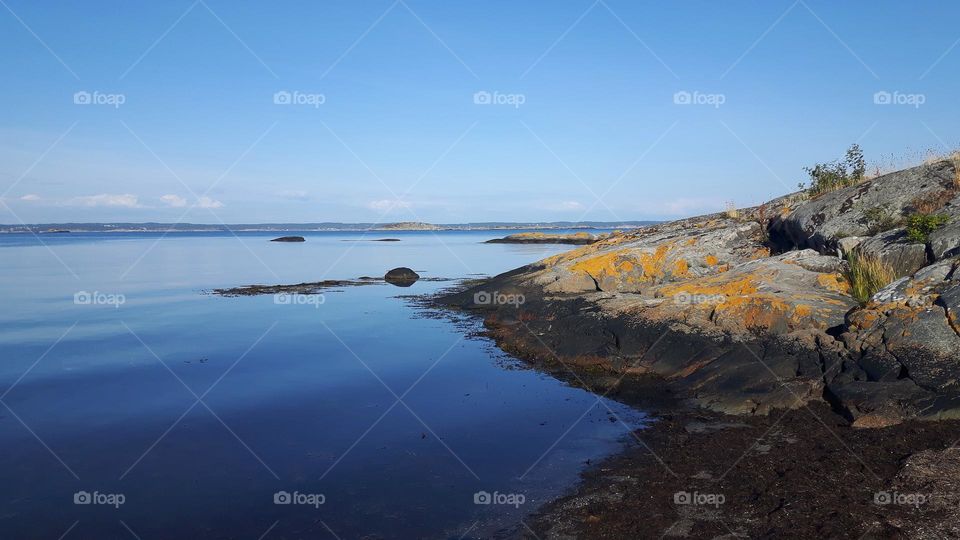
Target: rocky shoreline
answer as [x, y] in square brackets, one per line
[752, 317]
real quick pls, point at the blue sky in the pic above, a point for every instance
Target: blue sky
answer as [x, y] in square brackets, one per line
[576, 116]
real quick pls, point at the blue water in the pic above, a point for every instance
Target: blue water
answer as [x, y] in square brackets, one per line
[183, 414]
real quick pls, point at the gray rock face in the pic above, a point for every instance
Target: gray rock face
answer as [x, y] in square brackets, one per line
[846, 245]
[945, 241]
[819, 223]
[909, 332]
[896, 250]
[664, 253]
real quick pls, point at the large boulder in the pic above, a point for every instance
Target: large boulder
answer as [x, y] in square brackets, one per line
[894, 249]
[401, 277]
[820, 222]
[945, 241]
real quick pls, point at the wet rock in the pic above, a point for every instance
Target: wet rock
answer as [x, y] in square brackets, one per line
[289, 239]
[401, 277]
[929, 481]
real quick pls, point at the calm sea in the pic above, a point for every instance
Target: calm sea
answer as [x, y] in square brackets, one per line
[135, 405]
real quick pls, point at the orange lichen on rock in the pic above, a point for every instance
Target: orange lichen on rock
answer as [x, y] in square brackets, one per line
[681, 267]
[608, 263]
[834, 282]
[653, 263]
[761, 253]
[711, 260]
[716, 285]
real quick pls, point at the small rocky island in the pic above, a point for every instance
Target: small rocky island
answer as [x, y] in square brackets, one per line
[289, 239]
[578, 238]
[803, 358]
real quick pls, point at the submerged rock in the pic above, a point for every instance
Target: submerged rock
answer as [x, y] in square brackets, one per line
[401, 277]
[289, 239]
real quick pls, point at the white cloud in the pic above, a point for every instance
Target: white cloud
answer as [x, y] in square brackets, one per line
[124, 200]
[174, 201]
[387, 205]
[30, 197]
[692, 206]
[207, 202]
[294, 195]
[562, 206]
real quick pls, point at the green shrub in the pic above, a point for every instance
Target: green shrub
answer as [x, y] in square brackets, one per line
[827, 177]
[867, 275]
[919, 226]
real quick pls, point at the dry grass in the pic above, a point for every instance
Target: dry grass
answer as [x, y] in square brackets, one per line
[955, 158]
[931, 202]
[731, 210]
[867, 275]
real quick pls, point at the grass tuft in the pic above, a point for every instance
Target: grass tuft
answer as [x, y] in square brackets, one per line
[867, 275]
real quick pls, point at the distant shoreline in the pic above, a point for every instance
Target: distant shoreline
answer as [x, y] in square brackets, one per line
[62, 228]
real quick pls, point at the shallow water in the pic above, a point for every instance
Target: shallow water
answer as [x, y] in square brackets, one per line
[186, 413]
